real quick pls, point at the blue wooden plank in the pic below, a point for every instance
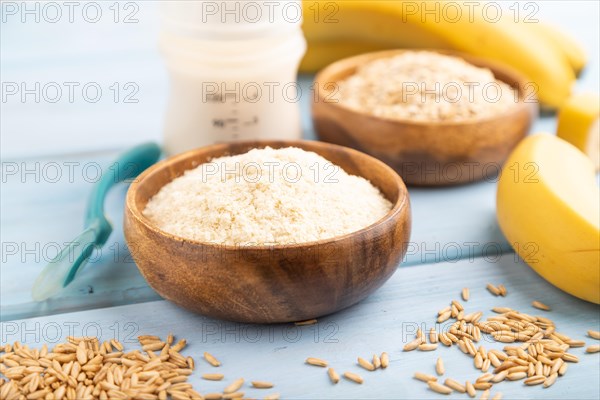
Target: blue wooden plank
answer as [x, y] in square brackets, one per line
[383, 322]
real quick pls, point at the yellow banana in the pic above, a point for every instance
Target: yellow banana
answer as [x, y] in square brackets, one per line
[547, 207]
[392, 24]
[579, 124]
[571, 49]
[319, 54]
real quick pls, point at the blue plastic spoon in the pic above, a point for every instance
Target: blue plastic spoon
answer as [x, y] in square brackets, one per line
[62, 269]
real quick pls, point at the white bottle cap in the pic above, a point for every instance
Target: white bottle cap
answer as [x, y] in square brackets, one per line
[231, 19]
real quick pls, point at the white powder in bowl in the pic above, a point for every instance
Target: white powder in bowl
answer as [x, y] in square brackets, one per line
[264, 197]
[425, 86]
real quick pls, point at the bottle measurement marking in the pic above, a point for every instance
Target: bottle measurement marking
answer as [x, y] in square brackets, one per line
[233, 124]
[235, 134]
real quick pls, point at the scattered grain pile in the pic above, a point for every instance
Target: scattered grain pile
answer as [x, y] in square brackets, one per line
[535, 352]
[266, 196]
[425, 86]
[378, 362]
[85, 368]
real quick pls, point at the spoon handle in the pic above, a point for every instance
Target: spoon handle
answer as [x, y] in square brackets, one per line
[62, 269]
[127, 166]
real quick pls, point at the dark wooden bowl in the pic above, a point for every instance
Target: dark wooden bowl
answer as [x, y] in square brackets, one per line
[425, 153]
[268, 284]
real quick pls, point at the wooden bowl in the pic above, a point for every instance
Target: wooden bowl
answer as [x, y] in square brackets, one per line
[268, 284]
[425, 153]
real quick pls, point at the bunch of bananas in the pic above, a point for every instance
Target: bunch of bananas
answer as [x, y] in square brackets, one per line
[546, 56]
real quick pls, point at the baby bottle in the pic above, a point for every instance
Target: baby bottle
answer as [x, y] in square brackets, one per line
[232, 67]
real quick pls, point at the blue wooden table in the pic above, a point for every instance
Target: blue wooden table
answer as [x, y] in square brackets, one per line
[52, 153]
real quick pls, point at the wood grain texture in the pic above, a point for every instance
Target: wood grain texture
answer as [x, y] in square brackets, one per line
[279, 283]
[424, 153]
[382, 322]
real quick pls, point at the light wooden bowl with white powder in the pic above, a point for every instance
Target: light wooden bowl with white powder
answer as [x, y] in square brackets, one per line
[429, 141]
[270, 283]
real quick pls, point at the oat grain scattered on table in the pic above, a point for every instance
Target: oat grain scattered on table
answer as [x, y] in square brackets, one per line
[211, 360]
[470, 389]
[385, 360]
[421, 336]
[550, 380]
[502, 289]
[410, 346]
[427, 346]
[455, 385]
[317, 362]
[424, 377]
[593, 349]
[540, 306]
[439, 366]
[333, 376]
[234, 386]
[445, 316]
[482, 385]
[213, 377]
[366, 364]
[235, 395]
[594, 334]
[493, 289]
[262, 384]
[465, 294]
[438, 387]
[353, 377]
[433, 336]
[376, 361]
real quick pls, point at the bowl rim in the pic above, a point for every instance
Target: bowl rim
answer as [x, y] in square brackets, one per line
[482, 62]
[130, 205]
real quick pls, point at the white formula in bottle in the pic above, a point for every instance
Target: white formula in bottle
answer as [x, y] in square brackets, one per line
[233, 67]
